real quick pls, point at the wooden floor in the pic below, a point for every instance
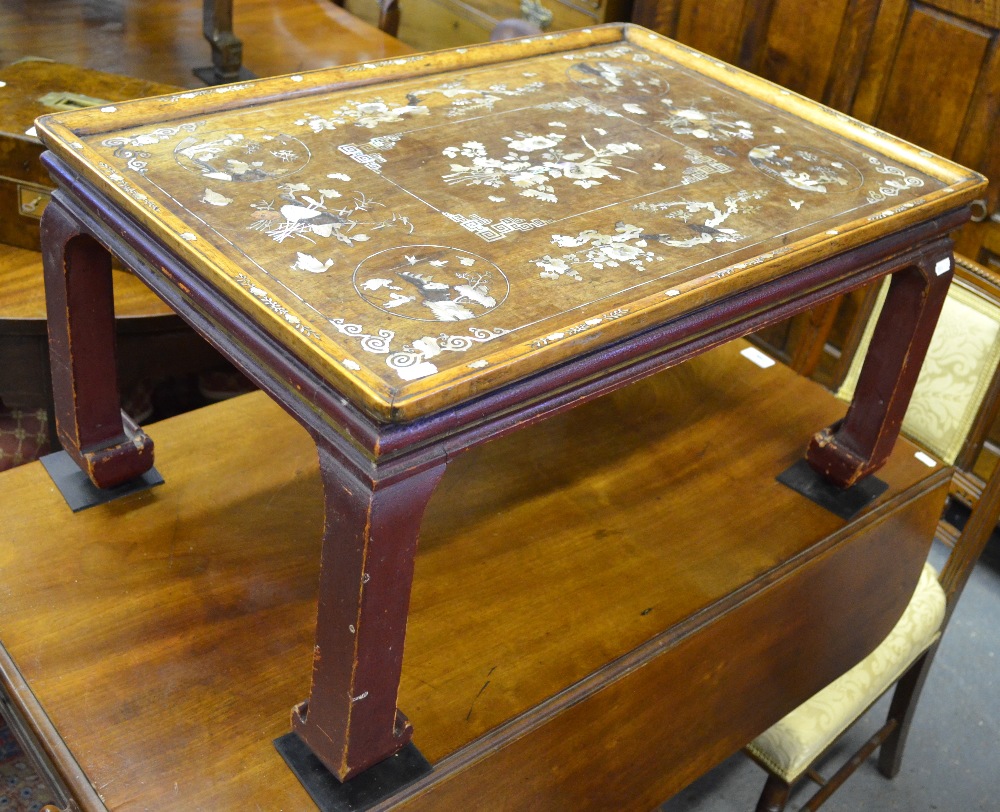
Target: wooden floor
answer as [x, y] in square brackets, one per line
[161, 40]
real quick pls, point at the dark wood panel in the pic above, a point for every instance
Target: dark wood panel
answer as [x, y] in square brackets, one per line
[853, 42]
[713, 26]
[798, 50]
[978, 144]
[933, 81]
[985, 12]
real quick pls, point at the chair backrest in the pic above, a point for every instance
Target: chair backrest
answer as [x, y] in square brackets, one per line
[978, 530]
[957, 394]
[388, 15]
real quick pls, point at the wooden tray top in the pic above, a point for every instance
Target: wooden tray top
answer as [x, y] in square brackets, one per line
[425, 229]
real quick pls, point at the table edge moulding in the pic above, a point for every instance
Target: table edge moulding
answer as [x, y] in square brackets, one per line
[383, 448]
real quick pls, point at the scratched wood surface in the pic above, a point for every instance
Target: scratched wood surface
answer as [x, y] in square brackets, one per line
[167, 634]
[425, 229]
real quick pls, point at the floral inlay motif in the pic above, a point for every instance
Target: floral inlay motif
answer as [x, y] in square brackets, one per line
[582, 327]
[619, 51]
[467, 101]
[532, 161]
[580, 103]
[208, 91]
[711, 125]
[628, 245]
[703, 219]
[265, 298]
[300, 212]
[369, 114]
[431, 283]
[619, 78]
[127, 187]
[703, 222]
[232, 156]
[807, 169]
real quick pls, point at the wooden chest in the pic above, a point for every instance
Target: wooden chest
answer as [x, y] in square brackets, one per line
[29, 89]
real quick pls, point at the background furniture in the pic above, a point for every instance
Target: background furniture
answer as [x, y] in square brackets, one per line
[788, 749]
[162, 40]
[928, 72]
[955, 402]
[429, 25]
[227, 48]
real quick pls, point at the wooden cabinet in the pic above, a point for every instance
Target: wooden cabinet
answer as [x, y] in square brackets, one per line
[928, 72]
[429, 25]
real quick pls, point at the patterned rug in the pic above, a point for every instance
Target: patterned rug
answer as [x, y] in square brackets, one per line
[24, 436]
[24, 433]
[22, 789]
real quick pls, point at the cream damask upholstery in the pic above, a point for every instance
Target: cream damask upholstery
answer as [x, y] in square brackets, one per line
[957, 372]
[954, 404]
[791, 745]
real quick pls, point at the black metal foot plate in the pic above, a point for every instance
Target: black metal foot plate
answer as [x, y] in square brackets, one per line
[843, 502]
[80, 493]
[211, 78]
[361, 792]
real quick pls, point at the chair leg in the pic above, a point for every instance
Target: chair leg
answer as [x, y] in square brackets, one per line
[775, 795]
[902, 708]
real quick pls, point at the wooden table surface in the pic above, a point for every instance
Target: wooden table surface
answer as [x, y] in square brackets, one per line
[22, 290]
[166, 635]
[424, 230]
[161, 40]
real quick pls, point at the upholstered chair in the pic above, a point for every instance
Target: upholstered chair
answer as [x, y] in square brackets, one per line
[953, 407]
[957, 396]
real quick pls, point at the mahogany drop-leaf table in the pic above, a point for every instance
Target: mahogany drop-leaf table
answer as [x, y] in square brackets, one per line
[417, 255]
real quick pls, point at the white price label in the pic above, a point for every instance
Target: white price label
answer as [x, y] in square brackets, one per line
[756, 356]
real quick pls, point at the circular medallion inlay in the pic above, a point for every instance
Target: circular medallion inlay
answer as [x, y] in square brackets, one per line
[620, 78]
[807, 169]
[431, 283]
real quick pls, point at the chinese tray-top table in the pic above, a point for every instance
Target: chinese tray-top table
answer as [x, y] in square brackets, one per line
[417, 255]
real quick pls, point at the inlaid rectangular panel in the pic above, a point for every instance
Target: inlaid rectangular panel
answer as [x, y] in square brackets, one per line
[426, 229]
